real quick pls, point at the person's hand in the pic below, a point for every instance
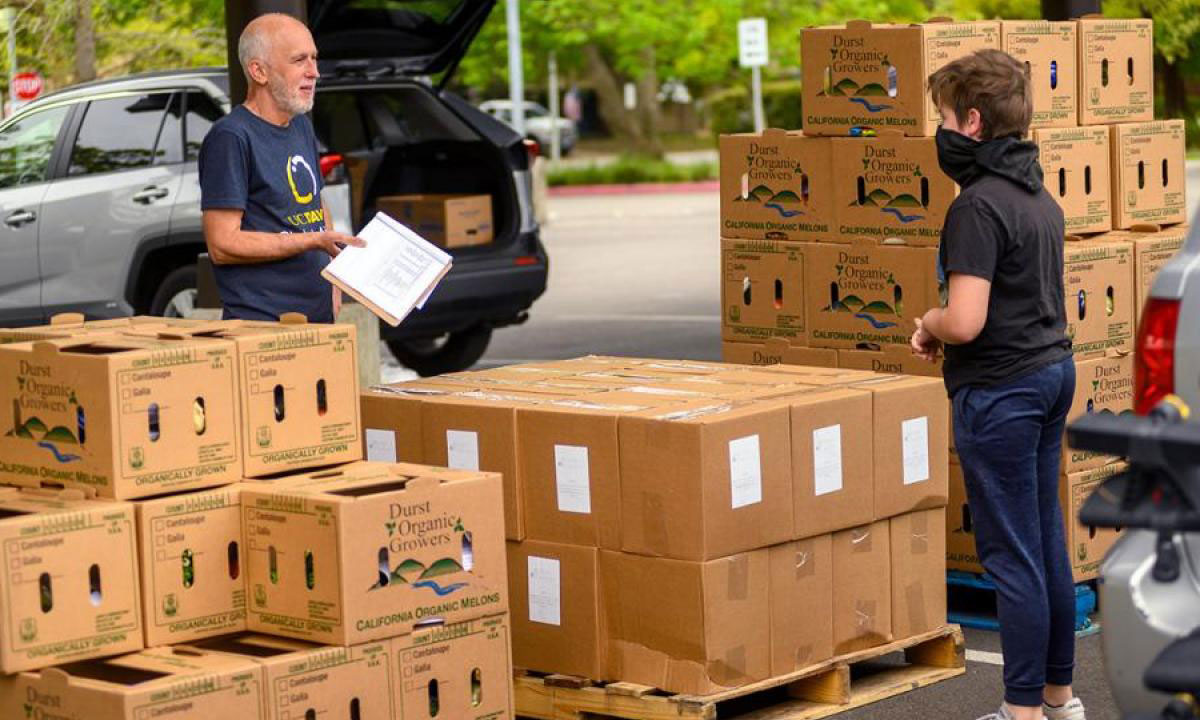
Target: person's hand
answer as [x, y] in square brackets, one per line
[332, 241]
[924, 344]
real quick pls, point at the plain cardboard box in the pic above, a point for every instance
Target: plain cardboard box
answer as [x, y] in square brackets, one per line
[554, 594]
[832, 460]
[894, 359]
[1102, 385]
[1051, 52]
[445, 220]
[801, 588]
[1086, 545]
[890, 189]
[70, 578]
[67, 325]
[1153, 247]
[391, 418]
[305, 680]
[706, 480]
[912, 438]
[918, 572]
[1099, 292]
[776, 351]
[1149, 173]
[687, 627]
[126, 416]
[876, 76]
[181, 684]
[461, 671]
[1116, 70]
[776, 185]
[1076, 162]
[762, 290]
[369, 550]
[191, 553]
[862, 588]
[865, 295]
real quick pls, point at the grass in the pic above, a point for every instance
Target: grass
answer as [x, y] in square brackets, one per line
[671, 142]
[630, 169]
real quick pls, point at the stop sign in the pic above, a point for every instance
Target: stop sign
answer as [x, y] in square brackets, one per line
[26, 86]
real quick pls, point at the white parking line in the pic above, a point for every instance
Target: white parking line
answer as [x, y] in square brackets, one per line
[983, 656]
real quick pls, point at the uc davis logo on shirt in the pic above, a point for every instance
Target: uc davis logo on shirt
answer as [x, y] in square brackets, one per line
[294, 164]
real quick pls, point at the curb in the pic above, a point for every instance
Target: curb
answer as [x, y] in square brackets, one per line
[635, 189]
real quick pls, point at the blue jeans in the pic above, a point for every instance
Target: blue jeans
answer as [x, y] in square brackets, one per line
[1009, 439]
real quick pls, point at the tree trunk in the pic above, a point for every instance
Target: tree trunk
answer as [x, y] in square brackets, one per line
[85, 42]
[610, 98]
[649, 115]
[1175, 99]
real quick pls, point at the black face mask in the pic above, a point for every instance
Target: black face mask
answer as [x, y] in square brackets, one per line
[956, 155]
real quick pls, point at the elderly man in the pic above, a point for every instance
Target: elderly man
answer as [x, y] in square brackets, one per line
[268, 232]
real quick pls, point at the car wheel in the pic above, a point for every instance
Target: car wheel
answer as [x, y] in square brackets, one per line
[176, 294]
[450, 353]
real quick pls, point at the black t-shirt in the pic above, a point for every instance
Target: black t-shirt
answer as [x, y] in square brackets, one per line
[1014, 238]
[271, 174]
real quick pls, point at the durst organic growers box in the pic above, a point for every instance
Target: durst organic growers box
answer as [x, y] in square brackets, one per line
[126, 416]
[1050, 51]
[1149, 173]
[1098, 288]
[864, 76]
[776, 351]
[461, 671]
[776, 185]
[1116, 70]
[368, 551]
[1153, 247]
[762, 291]
[1102, 385]
[1076, 163]
[69, 582]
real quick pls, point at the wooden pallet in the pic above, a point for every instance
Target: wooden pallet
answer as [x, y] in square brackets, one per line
[818, 691]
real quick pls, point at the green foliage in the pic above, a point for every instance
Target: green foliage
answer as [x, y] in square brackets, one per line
[730, 112]
[629, 169]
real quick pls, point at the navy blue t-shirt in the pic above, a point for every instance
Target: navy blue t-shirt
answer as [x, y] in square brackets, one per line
[271, 174]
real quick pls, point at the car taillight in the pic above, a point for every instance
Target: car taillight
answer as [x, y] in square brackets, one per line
[533, 148]
[329, 162]
[1154, 362]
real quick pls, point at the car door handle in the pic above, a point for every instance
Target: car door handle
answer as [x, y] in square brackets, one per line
[150, 194]
[19, 218]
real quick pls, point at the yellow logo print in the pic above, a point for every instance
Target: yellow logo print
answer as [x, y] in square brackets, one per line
[294, 162]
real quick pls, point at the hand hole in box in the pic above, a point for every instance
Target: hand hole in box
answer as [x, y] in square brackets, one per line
[233, 559]
[155, 427]
[476, 687]
[95, 590]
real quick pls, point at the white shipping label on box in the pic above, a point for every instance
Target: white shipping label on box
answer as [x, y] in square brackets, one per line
[827, 459]
[745, 471]
[462, 449]
[545, 591]
[571, 479]
[381, 445]
[914, 435]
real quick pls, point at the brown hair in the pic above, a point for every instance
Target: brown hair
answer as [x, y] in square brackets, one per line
[994, 83]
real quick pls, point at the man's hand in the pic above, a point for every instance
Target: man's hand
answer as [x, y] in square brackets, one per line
[332, 241]
[924, 344]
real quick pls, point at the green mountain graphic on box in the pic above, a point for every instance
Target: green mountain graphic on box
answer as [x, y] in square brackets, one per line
[882, 198]
[872, 90]
[760, 194]
[848, 87]
[35, 429]
[406, 567]
[445, 566]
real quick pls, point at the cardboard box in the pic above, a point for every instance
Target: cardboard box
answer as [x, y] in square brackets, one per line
[68, 325]
[369, 550]
[179, 683]
[801, 603]
[391, 418]
[1087, 545]
[762, 290]
[1051, 52]
[895, 359]
[191, 553]
[447, 221]
[890, 189]
[706, 480]
[1102, 385]
[305, 680]
[1076, 162]
[456, 671]
[713, 634]
[918, 572]
[832, 460]
[876, 76]
[1149, 173]
[912, 437]
[862, 588]
[776, 351]
[960, 526]
[1099, 291]
[1116, 70]
[554, 593]
[70, 578]
[1153, 247]
[865, 295]
[776, 185]
[126, 416]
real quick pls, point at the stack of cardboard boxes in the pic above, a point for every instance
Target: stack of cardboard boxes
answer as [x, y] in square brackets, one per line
[196, 489]
[830, 235]
[695, 526]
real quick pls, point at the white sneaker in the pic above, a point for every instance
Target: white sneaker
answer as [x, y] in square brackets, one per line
[1073, 710]
[1001, 714]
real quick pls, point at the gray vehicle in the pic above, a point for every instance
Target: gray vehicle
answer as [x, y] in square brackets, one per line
[100, 195]
[539, 125]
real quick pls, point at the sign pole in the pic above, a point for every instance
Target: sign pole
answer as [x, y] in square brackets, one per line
[756, 91]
